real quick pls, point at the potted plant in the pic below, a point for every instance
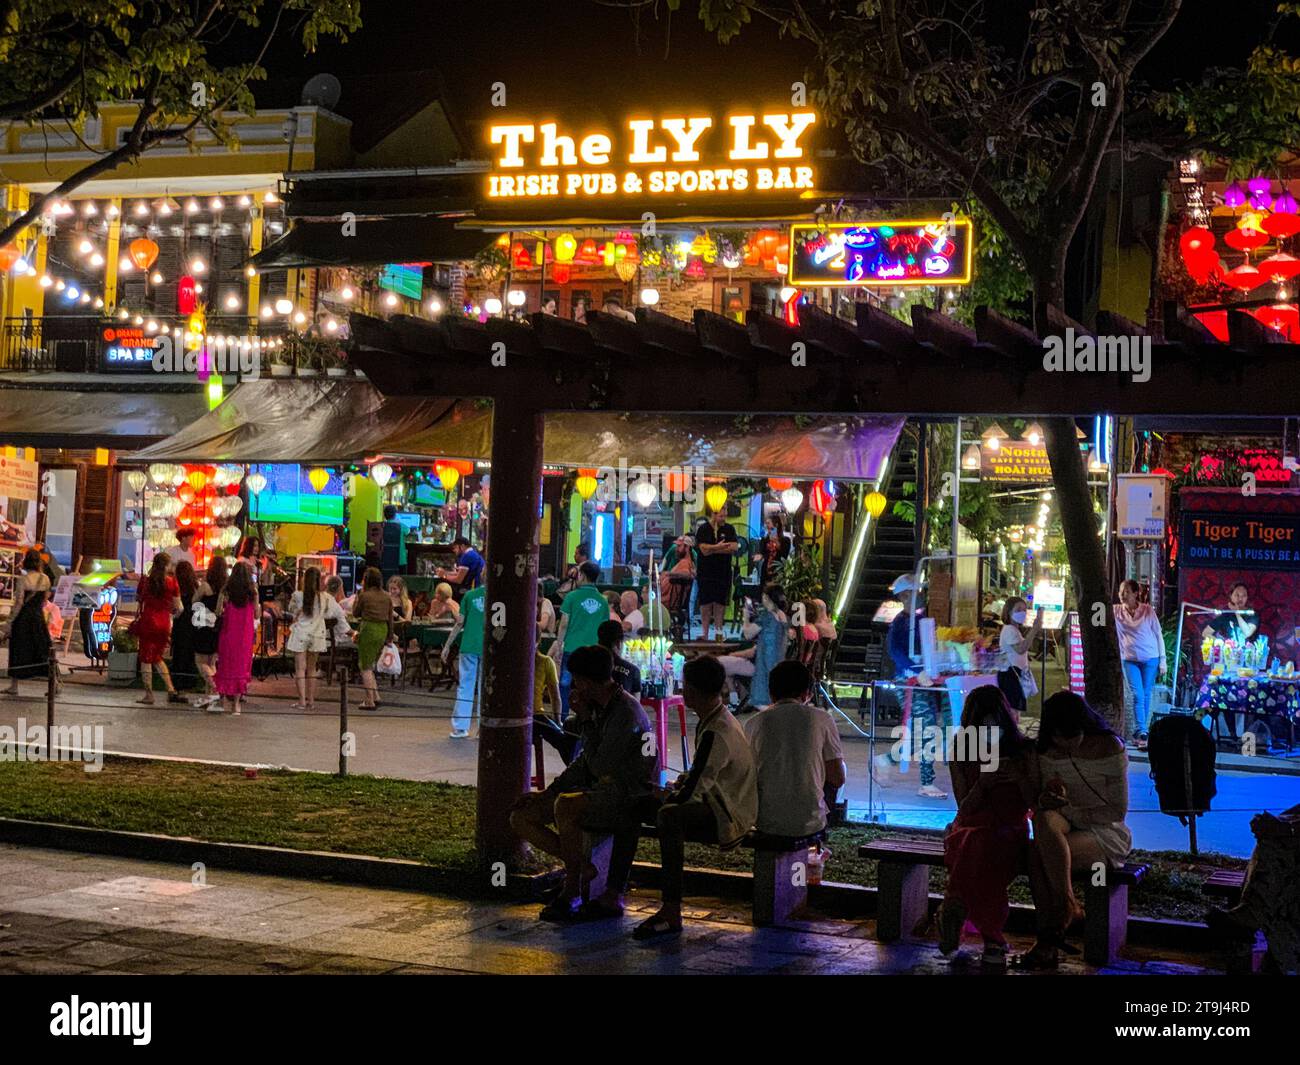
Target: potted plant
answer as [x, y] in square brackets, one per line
[124, 658]
[282, 359]
[306, 355]
[331, 358]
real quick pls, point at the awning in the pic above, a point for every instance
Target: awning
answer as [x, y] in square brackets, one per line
[850, 448]
[414, 239]
[55, 417]
[311, 420]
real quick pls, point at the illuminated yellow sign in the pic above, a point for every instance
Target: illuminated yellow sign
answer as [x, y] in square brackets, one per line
[690, 155]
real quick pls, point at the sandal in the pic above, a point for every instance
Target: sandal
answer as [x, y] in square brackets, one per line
[656, 927]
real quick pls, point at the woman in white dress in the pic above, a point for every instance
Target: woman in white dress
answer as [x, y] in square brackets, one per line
[313, 612]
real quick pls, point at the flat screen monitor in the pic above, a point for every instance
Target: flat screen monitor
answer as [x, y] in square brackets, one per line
[429, 495]
[408, 520]
[290, 499]
[406, 279]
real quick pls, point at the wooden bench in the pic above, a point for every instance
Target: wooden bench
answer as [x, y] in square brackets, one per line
[903, 896]
[1245, 956]
[780, 883]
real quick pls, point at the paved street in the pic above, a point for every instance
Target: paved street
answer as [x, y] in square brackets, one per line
[67, 913]
[407, 738]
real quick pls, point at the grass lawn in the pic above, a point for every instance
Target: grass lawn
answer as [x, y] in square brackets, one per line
[415, 820]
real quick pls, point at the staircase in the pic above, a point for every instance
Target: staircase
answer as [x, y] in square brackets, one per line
[891, 553]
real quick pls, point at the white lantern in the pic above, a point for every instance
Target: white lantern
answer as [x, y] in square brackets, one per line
[178, 476]
[136, 479]
[160, 472]
[233, 506]
[256, 482]
[157, 506]
[234, 473]
[381, 473]
[643, 493]
[230, 536]
[792, 500]
[219, 477]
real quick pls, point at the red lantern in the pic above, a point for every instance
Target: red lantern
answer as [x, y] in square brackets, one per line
[561, 274]
[1284, 317]
[9, 254]
[186, 297]
[523, 261]
[1202, 265]
[820, 499]
[465, 466]
[779, 484]
[142, 252]
[1244, 277]
[676, 482]
[587, 252]
[185, 493]
[1280, 266]
[185, 517]
[232, 489]
[1198, 238]
[1281, 224]
[1246, 239]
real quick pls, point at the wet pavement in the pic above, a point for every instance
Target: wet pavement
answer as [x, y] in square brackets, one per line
[67, 913]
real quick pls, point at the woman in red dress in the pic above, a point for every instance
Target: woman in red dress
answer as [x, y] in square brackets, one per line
[159, 598]
[993, 775]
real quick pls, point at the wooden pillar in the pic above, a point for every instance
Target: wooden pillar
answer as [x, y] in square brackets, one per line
[509, 644]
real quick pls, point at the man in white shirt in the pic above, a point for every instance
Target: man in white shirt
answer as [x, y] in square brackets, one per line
[183, 550]
[716, 803]
[798, 755]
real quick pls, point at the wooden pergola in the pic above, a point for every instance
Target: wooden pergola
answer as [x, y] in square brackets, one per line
[936, 368]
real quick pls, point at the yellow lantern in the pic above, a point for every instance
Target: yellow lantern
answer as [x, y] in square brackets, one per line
[874, 504]
[198, 480]
[586, 486]
[318, 478]
[448, 475]
[625, 270]
[566, 247]
[715, 496]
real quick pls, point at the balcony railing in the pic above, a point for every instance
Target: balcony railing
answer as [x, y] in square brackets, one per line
[76, 344]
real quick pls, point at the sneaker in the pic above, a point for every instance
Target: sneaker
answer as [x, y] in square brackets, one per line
[215, 707]
[994, 956]
[929, 791]
[457, 734]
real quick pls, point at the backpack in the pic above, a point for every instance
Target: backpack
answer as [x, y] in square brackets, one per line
[1181, 750]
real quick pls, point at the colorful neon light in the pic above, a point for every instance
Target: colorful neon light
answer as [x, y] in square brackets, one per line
[911, 252]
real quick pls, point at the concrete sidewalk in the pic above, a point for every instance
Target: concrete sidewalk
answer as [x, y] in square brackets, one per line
[67, 913]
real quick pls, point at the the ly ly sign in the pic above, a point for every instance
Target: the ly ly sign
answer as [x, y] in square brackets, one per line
[692, 155]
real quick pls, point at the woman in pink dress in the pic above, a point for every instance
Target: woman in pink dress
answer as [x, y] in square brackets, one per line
[993, 775]
[237, 611]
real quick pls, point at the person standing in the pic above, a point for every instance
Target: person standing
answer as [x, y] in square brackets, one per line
[1016, 678]
[581, 554]
[374, 609]
[184, 549]
[313, 612]
[1142, 652]
[185, 669]
[581, 615]
[469, 624]
[717, 802]
[716, 542]
[772, 551]
[926, 709]
[29, 636]
[204, 620]
[237, 610]
[770, 632]
[159, 599]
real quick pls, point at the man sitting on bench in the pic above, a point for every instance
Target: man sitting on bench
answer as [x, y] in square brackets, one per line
[603, 790]
[797, 753]
[717, 802]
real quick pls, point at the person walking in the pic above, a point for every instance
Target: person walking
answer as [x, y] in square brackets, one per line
[1016, 678]
[184, 667]
[204, 620]
[237, 610]
[581, 615]
[469, 624]
[159, 599]
[374, 608]
[1142, 652]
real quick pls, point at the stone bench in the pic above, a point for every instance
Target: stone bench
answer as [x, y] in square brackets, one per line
[903, 896]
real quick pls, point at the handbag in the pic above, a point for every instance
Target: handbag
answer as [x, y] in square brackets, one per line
[1027, 681]
[390, 661]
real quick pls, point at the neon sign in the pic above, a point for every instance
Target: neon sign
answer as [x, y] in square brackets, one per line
[912, 252]
[690, 155]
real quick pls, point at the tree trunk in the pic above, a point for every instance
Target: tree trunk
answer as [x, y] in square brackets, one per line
[1102, 682]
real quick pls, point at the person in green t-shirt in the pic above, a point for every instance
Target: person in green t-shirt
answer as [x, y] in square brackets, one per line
[470, 625]
[581, 613]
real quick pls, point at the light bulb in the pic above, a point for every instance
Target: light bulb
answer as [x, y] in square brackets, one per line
[216, 203]
[89, 209]
[331, 326]
[191, 206]
[435, 306]
[267, 310]
[492, 305]
[250, 271]
[156, 278]
[125, 264]
[96, 260]
[85, 247]
[141, 210]
[232, 302]
[390, 300]
[283, 306]
[345, 292]
[197, 266]
[46, 281]
[299, 318]
[649, 296]
[112, 210]
[516, 297]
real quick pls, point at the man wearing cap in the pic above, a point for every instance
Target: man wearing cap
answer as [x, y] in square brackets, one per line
[925, 704]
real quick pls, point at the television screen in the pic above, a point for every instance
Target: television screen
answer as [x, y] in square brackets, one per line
[408, 520]
[429, 495]
[406, 279]
[289, 498]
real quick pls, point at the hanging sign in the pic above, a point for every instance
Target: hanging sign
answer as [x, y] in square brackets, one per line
[914, 252]
[1140, 506]
[19, 479]
[690, 154]
[1076, 655]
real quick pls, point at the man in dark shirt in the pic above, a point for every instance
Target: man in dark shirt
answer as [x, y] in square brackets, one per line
[716, 542]
[581, 554]
[1238, 622]
[602, 790]
[610, 637]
